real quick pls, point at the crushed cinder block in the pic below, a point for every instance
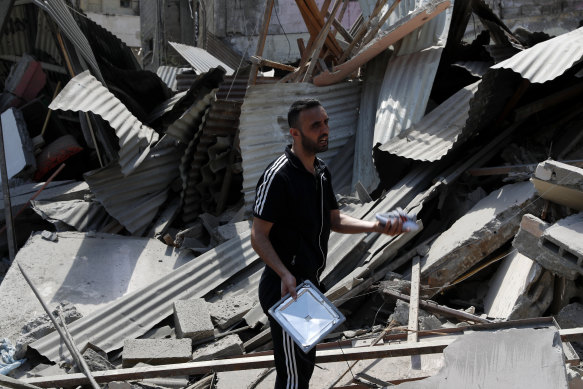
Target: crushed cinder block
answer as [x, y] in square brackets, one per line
[493, 221]
[557, 248]
[228, 346]
[192, 319]
[226, 312]
[156, 351]
[519, 289]
[560, 183]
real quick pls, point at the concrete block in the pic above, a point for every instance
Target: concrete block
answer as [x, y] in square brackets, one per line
[487, 226]
[192, 319]
[427, 321]
[520, 289]
[228, 346]
[565, 238]
[226, 312]
[514, 358]
[156, 351]
[560, 183]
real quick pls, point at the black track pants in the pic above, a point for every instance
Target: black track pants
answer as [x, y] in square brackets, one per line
[294, 367]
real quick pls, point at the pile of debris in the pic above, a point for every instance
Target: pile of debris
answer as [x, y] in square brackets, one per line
[144, 243]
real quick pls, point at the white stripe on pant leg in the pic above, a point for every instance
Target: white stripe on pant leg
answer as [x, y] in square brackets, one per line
[294, 364]
[287, 358]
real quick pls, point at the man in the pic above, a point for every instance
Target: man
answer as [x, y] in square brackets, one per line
[295, 209]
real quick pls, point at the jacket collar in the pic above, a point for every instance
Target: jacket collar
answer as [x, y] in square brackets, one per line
[297, 163]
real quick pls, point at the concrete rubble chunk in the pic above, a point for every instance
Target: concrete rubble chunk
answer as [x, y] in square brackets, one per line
[156, 351]
[192, 319]
[427, 321]
[228, 346]
[493, 221]
[560, 183]
[514, 358]
[571, 316]
[519, 289]
[558, 247]
[226, 312]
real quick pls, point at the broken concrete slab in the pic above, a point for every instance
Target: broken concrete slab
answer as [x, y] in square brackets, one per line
[192, 319]
[560, 183]
[88, 270]
[156, 351]
[487, 226]
[426, 320]
[515, 358]
[227, 346]
[17, 143]
[520, 289]
[226, 312]
[548, 249]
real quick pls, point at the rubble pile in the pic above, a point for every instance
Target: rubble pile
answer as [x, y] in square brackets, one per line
[130, 196]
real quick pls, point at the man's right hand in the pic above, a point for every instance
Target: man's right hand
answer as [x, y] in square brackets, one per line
[288, 285]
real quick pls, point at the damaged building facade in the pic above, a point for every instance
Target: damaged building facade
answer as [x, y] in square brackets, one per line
[127, 188]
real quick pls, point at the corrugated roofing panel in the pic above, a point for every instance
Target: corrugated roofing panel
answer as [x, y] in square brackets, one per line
[475, 68]
[45, 41]
[137, 312]
[86, 94]
[364, 169]
[549, 59]
[436, 133]
[80, 214]
[14, 37]
[216, 47]
[264, 131]
[404, 93]
[61, 15]
[184, 128]
[134, 200]
[168, 75]
[200, 59]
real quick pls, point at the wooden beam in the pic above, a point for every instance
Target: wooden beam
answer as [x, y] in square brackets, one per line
[527, 168]
[315, 22]
[195, 368]
[265, 62]
[261, 41]
[10, 382]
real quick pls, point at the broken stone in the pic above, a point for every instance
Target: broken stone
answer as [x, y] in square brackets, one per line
[226, 312]
[520, 289]
[96, 360]
[228, 346]
[41, 326]
[560, 183]
[426, 320]
[156, 351]
[49, 235]
[559, 250]
[481, 360]
[486, 227]
[571, 316]
[192, 319]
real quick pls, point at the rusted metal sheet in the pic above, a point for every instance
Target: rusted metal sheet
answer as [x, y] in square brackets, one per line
[86, 94]
[382, 41]
[549, 59]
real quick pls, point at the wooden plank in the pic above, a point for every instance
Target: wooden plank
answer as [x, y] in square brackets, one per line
[412, 335]
[261, 41]
[571, 334]
[10, 382]
[320, 41]
[266, 62]
[311, 14]
[195, 368]
[324, 8]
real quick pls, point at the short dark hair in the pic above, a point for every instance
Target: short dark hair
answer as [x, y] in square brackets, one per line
[298, 106]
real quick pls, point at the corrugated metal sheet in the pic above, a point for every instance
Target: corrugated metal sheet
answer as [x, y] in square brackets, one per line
[134, 199]
[184, 128]
[61, 15]
[475, 68]
[500, 53]
[217, 48]
[404, 93]
[547, 60]
[264, 131]
[201, 60]
[165, 107]
[82, 215]
[364, 169]
[436, 133]
[86, 94]
[45, 40]
[341, 168]
[14, 37]
[168, 75]
[134, 314]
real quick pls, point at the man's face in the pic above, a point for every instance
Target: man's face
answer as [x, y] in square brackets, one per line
[314, 129]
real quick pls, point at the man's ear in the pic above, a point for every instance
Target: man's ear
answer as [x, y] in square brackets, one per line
[294, 132]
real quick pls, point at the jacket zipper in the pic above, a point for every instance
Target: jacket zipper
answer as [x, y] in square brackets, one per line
[321, 227]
